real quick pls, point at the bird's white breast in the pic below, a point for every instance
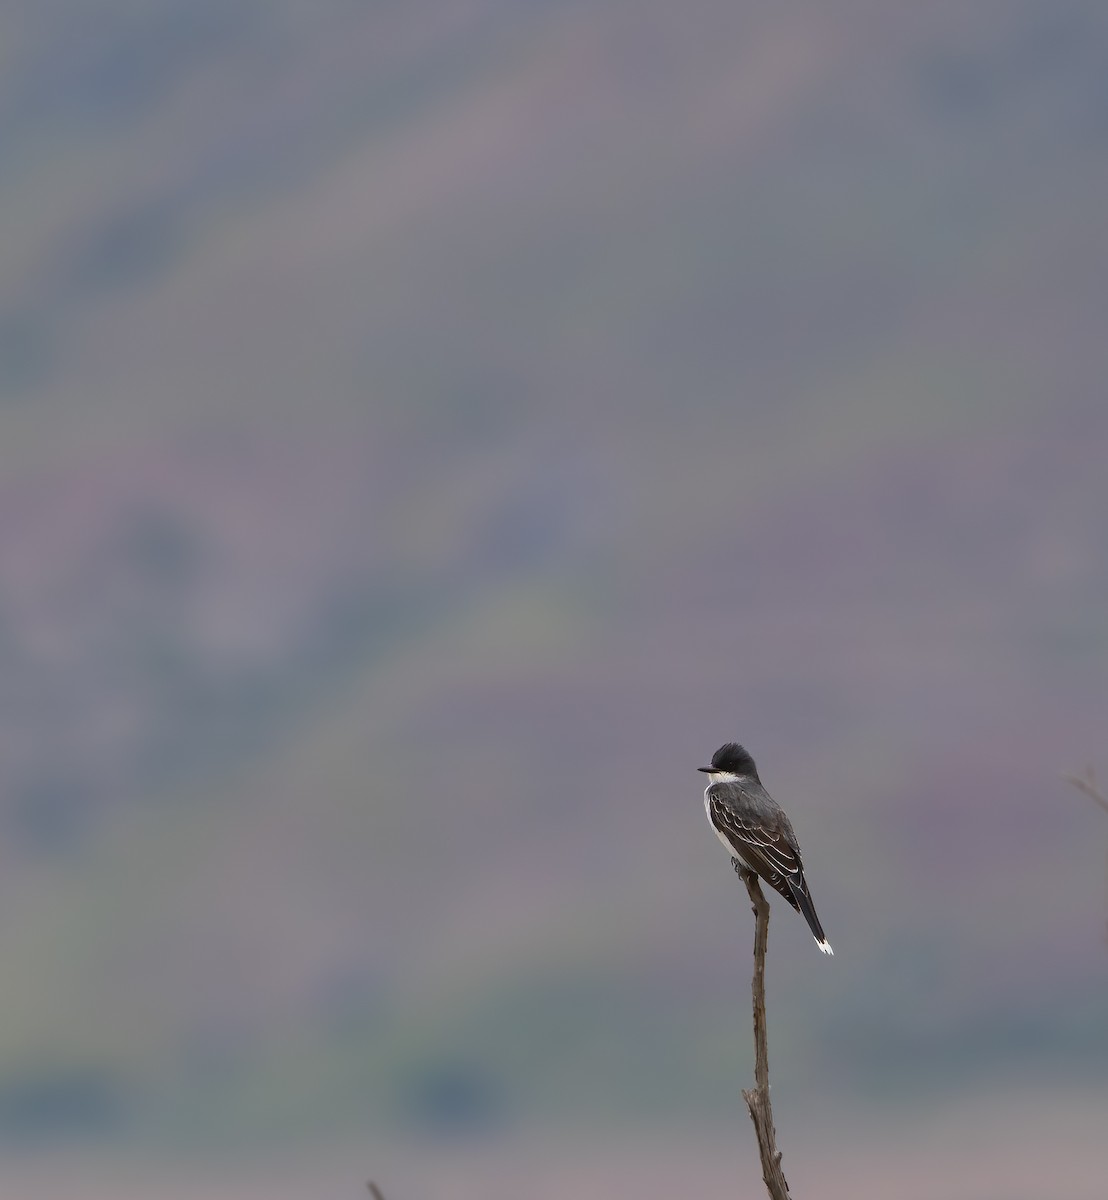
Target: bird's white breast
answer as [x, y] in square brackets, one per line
[708, 812]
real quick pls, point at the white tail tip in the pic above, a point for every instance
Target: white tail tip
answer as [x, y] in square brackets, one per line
[825, 947]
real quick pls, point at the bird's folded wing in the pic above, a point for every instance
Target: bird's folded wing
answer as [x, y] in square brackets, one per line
[754, 840]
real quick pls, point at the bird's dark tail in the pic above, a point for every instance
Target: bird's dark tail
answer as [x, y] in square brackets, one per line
[802, 900]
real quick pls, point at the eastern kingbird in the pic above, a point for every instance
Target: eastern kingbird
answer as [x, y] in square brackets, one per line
[754, 829]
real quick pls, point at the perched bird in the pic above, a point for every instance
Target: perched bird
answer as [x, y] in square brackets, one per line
[754, 829]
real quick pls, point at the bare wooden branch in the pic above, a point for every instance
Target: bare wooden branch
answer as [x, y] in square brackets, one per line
[758, 1098]
[1087, 783]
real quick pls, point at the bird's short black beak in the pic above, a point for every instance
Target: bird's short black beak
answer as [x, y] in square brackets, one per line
[706, 770]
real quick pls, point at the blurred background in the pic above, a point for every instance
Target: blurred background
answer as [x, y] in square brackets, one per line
[427, 431]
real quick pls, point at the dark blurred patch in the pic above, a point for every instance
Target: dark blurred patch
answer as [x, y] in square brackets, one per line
[143, 58]
[78, 1102]
[453, 1098]
[108, 65]
[359, 619]
[1059, 51]
[128, 247]
[528, 527]
[162, 545]
[26, 352]
[51, 810]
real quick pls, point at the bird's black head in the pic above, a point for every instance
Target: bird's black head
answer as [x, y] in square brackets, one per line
[733, 760]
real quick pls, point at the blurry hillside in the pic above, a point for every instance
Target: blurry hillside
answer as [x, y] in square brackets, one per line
[426, 432]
